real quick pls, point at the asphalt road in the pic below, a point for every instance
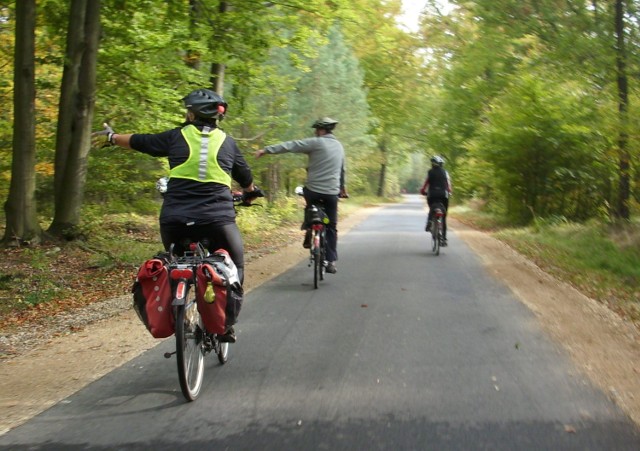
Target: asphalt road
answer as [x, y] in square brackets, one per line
[401, 350]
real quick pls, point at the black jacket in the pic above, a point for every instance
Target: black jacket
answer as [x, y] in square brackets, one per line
[188, 200]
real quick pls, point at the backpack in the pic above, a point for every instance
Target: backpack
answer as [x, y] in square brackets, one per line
[152, 297]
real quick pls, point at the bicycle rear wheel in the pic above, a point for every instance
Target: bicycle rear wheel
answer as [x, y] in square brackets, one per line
[189, 347]
[317, 258]
[323, 254]
[435, 237]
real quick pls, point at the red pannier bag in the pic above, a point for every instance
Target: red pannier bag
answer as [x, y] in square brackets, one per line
[152, 298]
[211, 297]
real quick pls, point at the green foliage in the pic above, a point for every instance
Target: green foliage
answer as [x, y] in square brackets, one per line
[155, 52]
[519, 96]
[124, 181]
[331, 86]
[262, 221]
[532, 84]
[123, 239]
[546, 159]
[396, 92]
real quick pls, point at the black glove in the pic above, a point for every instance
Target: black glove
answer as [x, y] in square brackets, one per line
[247, 197]
[103, 138]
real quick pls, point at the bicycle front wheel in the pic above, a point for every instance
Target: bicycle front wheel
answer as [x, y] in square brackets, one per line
[189, 347]
[223, 352]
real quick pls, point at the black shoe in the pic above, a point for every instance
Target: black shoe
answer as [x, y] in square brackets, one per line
[229, 336]
[444, 242]
[331, 268]
[307, 240]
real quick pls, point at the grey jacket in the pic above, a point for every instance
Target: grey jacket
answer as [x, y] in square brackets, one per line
[326, 171]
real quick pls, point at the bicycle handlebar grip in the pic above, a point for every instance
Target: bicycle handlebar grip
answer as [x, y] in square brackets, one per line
[247, 197]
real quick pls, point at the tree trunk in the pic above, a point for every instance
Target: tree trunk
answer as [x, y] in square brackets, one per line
[624, 157]
[21, 213]
[75, 117]
[274, 181]
[218, 69]
[217, 78]
[192, 58]
[382, 180]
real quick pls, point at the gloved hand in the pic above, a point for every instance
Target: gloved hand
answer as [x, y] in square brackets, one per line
[103, 138]
[162, 185]
[248, 196]
[343, 194]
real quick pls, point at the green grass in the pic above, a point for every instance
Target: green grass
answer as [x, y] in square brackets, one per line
[599, 259]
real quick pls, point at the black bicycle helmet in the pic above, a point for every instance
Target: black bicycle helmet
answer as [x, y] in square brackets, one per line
[325, 123]
[206, 104]
[437, 160]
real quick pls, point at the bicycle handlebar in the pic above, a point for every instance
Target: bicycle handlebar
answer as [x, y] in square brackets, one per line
[244, 198]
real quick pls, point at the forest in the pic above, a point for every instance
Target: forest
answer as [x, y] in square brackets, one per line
[532, 103]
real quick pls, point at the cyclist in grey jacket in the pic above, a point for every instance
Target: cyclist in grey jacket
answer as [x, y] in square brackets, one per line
[325, 176]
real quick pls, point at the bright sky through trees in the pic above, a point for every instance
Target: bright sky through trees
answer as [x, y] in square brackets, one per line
[411, 10]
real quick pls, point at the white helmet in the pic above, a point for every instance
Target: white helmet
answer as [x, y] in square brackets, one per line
[437, 160]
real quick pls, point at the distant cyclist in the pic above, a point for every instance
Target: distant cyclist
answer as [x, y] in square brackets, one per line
[437, 188]
[198, 203]
[325, 177]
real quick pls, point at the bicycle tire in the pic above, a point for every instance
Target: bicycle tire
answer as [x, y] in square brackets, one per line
[317, 262]
[189, 347]
[435, 237]
[222, 352]
[323, 254]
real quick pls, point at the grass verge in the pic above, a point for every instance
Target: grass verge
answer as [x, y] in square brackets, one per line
[601, 260]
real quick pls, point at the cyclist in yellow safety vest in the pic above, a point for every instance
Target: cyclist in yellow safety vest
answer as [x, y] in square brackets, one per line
[198, 203]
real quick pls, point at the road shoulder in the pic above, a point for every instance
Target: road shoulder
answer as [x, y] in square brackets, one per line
[604, 346]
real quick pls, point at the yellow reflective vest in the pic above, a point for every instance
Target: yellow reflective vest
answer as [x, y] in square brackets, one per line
[202, 164]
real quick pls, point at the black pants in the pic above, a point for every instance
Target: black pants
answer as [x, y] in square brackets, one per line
[216, 236]
[439, 200]
[330, 205]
